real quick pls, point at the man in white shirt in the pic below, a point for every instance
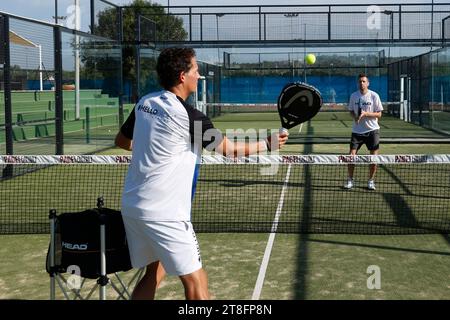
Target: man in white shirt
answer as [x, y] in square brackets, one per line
[166, 136]
[365, 108]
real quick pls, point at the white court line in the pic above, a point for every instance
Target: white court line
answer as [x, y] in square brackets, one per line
[265, 261]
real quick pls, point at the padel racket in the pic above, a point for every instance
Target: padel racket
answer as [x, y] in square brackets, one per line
[298, 102]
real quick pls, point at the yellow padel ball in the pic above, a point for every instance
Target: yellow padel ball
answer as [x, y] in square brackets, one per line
[310, 58]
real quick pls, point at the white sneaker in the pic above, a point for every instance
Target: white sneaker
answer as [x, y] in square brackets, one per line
[349, 184]
[371, 185]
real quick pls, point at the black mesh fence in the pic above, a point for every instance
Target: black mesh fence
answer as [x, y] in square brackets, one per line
[424, 80]
[389, 22]
[289, 194]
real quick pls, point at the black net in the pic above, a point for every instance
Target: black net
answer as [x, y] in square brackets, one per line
[289, 194]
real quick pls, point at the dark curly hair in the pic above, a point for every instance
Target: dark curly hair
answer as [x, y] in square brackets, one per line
[171, 62]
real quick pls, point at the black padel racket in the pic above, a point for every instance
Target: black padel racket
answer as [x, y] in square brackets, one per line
[298, 102]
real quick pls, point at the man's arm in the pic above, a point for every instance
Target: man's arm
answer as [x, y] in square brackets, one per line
[351, 110]
[202, 130]
[124, 138]
[230, 148]
[377, 114]
[123, 142]
[370, 114]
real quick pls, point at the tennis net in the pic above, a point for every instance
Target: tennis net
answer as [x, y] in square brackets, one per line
[271, 193]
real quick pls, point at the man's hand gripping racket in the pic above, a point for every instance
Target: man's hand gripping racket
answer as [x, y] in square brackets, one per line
[298, 102]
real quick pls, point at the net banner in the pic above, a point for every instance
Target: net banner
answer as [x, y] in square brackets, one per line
[218, 159]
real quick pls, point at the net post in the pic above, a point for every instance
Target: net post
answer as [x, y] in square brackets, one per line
[88, 125]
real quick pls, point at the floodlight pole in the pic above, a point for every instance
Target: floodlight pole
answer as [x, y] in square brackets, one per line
[391, 27]
[432, 22]
[41, 87]
[218, 15]
[56, 11]
[304, 54]
[290, 16]
[77, 61]
[365, 64]
[329, 72]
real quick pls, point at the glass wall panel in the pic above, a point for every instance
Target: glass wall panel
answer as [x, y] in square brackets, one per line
[69, 17]
[32, 84]
[440, 91]
[91, 86]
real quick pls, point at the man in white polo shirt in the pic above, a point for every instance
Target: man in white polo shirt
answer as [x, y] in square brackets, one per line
[365, 108]
[166, 136]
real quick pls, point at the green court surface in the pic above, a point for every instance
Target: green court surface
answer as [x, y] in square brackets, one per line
[301, 266]
[312, 267]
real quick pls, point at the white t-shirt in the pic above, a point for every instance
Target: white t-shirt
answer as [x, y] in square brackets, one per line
[368, 102]
[162, 175]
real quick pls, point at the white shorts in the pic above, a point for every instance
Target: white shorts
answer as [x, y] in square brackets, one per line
[172, 242]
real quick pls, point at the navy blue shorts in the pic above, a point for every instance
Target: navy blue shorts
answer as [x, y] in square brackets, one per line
[371, 139]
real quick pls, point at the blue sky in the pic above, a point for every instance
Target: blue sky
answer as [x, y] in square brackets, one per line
[273, 2]
[43, 9]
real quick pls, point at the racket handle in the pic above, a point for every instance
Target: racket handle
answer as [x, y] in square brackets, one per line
[283, 131]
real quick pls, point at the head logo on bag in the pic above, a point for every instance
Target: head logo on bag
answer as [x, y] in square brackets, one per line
[75, 246]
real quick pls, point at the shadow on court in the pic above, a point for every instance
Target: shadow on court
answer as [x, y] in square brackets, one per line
[404, 216]
[370, 246]
[446, 237]
[300, 287]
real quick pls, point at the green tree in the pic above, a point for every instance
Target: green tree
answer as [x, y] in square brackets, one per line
[168, 28]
